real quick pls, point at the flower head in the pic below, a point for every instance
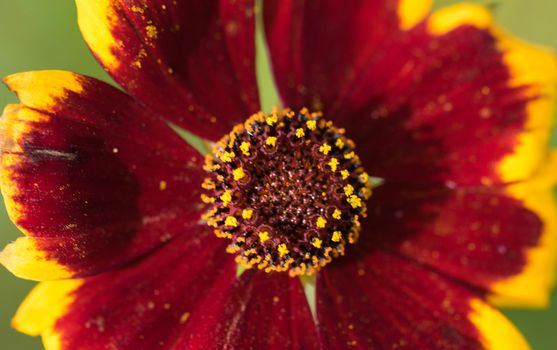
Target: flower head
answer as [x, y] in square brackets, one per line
[283, 236]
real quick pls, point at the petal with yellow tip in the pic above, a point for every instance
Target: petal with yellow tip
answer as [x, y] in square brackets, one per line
[412, 12]
[496, 331]
[159, 296]
[532, 285]
[136, 44]
[46, 303]
[80, 181]
[425, 311]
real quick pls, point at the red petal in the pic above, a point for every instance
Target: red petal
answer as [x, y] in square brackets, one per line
[92, 178]
[148, 305]
[479, 235]
[191, 61]
[260, 311]
[386, 302]
[452, 100]
[499, 239]
[317, 46]
[444, 109]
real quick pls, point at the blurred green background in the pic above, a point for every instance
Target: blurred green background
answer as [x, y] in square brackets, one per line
[43, 34]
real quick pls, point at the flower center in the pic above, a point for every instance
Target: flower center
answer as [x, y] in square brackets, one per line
[287, 190]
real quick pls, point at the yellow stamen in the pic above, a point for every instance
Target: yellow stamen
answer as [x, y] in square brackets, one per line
[337, 236]
[244, 147]
[238, 173]
[271, 119]
[311, 124]
[316, 243]
[337, 214]
[345, 173]
[333, 163]
[339, 143]
[283, 250]
[247, 214]
[271, 141]
[349, 155]
[348, 190]
[300, 133]
[226, 197]
[365, 192]
[264, 236]
[231, 221]
[325, 148]
[227, 156]
[354, 201]
[321, 222]
[364, 177]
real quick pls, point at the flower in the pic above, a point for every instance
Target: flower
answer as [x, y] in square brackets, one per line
[137, 239]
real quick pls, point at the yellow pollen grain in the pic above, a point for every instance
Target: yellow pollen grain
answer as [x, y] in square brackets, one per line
[311, 124]
[317, 243]
[244, 147]
[271, 141]
[184, 318]
[151, 31]
[231, 221]
[263, 236]
[337, 236]
[214, 223]
[339, 143]
[348, 190]
[208, 215]
[137, 9]
[226, 197]
[345, 173]
[333, 163]
[321, 222]
[208, 184]
[238, 173]
[232, 249]
[337, 214]
[163, 185]
[283, 250]
[271, 120]
[354, 201]
[300, 133]
[349, 155]
[325, 148]
[227, 156]
[206, 199]
[247, 214]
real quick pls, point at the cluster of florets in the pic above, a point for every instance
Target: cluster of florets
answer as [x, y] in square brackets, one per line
[287, 189]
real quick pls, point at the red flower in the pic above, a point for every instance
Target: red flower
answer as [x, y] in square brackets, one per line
[449, 111]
